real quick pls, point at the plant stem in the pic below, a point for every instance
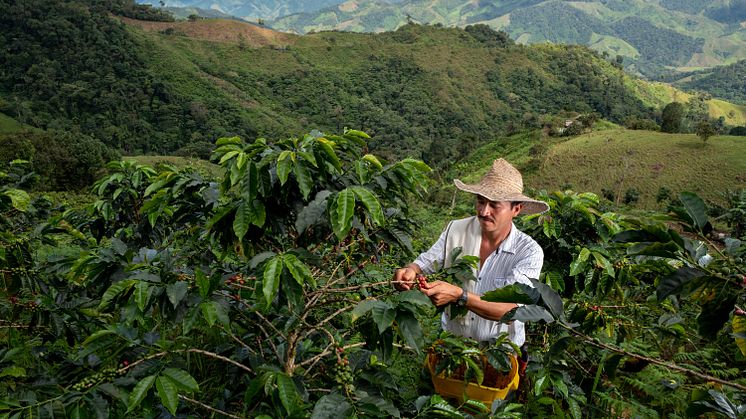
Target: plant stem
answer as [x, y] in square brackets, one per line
[210, 408]
[596, 343]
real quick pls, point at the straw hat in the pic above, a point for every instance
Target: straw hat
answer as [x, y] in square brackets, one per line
[504, 183]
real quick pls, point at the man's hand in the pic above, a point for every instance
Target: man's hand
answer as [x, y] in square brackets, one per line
[441, 293]
[404, 278]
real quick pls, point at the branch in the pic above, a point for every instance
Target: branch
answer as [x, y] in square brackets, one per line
[210, 408]
[192, 350]
[596, 343]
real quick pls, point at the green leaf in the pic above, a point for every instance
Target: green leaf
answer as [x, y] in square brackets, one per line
[739, 332]
[228, 140]
[371, 203]
[251, 182]
[227, 156]
[203, 283]
[674, 283]
[364, 307]
[384, 316]
[577, 266]
[19, 199]
[241, 160]
[312, 213]
[260, 213]
[559, 385]
[414, 297]
[331, 406]
[114, 290]
[168, 394]
[514, 293]
[304, 179]
[696, 209]
[138, 393]
[373, 160]
[176, 292]
[530, 313]
[182, 379]
[13, 371]
[222, 212]
[327, 147]
[298, 270]
[550, 298]
[341, 216]
[143, 291]
[715, 314]
[209, 312]
[289, 396]
[271, 278]
[285, 165]
[410, 329]
[244, 218]
[665, 250]
[98, 335]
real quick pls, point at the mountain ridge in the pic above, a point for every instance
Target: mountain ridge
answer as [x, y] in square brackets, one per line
[691, 36]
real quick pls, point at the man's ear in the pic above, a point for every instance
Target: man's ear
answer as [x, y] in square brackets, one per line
[517, 208]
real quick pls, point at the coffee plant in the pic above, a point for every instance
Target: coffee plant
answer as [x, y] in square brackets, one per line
[266, 293]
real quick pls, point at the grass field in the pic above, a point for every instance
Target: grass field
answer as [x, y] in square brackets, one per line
[202, 166]
[621, 159]
[8, 124]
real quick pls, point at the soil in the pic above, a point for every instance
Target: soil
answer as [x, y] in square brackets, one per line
[219, 30]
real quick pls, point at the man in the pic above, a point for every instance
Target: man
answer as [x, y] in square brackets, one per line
[506, 256]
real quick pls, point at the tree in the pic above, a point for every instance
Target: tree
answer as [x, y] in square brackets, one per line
[705, 130]
[671, 117]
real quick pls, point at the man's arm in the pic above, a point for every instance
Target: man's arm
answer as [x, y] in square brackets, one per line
[442, 293]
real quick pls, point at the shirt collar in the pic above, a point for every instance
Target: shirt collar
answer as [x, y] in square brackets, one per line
[509, 244]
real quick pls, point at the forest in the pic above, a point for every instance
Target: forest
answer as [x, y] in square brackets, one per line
[262, 287]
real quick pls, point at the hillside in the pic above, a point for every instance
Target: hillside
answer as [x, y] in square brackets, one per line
[727, 82]
[653, 37]
[618, 160]
[220, 30]
[423, 91]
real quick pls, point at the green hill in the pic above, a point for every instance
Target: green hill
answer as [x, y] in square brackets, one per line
[8, 124]
[654, 37]
[427, 92]
[727, 82]
[618, 160]
[423, 91]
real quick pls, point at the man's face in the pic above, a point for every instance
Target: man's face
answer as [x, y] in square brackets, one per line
[496, 216]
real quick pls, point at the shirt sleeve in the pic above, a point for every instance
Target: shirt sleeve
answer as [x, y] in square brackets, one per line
[432, 260]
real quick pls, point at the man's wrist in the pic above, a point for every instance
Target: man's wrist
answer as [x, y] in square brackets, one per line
[463, 299]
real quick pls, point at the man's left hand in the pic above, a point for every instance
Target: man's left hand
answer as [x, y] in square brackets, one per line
[441, 293]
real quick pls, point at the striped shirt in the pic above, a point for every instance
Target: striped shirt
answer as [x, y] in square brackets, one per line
[517, 258]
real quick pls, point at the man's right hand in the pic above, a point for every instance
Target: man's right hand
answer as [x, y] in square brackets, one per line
[405, 278]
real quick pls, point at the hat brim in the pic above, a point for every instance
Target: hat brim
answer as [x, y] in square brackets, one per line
[530, 206]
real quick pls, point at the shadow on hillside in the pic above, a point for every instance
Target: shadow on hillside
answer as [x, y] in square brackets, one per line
[695, 145]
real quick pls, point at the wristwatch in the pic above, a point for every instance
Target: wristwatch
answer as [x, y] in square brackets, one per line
[461, 302]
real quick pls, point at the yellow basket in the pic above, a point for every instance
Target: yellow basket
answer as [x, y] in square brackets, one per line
[460, 389]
